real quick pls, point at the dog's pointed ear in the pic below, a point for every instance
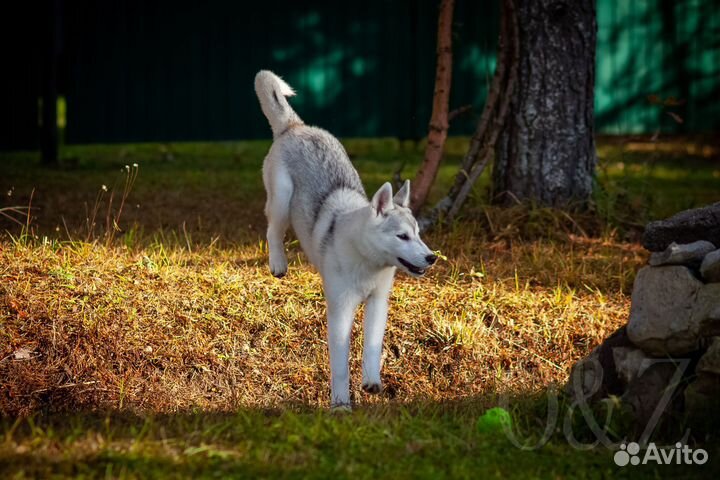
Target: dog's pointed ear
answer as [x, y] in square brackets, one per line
[382, 201]
[402, 197]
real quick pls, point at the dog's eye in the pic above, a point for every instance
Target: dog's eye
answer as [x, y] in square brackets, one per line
[404, 236]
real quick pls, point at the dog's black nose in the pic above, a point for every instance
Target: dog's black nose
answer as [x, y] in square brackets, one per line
[430, 259]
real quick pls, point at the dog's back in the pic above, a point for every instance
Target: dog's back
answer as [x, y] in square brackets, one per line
[318, 166]
[315, 160]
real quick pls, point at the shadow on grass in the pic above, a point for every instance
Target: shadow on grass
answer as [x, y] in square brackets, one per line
[417, 439]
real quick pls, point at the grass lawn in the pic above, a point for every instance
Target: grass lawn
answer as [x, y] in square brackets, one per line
[152, 342]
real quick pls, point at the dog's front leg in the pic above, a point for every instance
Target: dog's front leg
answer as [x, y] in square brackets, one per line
[341, 308]
[376, 309]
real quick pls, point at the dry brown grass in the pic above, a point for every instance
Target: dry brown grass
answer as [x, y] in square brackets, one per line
[165, 329]
[179, 311]
[173, 330]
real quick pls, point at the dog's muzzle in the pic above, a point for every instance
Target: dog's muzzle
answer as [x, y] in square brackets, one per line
[414, 269]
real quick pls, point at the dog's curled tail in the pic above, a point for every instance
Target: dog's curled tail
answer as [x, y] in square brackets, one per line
[271, 91]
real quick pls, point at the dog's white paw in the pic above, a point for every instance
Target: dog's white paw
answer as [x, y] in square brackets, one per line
[341, 408]
[278, 265]
[372, 387]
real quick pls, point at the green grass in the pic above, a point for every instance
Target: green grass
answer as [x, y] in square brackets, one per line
[208, 367]
[178, 183]
[421, 441]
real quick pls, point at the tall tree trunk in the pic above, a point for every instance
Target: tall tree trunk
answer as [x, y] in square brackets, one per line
[439, 119]
[546, 152]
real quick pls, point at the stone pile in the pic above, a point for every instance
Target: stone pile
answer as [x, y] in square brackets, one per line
[667, 357]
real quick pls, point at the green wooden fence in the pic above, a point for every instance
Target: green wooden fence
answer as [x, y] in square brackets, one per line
[165, 70]
[662, 49]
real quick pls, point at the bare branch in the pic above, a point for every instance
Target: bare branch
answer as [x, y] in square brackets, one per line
[458, 112]
[492, 120]
[437, 131]
[510, 18]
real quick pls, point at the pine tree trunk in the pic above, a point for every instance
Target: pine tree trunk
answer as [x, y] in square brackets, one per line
[546, 152]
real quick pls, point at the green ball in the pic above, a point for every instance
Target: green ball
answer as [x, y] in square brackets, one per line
[494, 420]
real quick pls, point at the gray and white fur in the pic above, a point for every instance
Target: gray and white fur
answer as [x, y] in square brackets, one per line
[356, 244]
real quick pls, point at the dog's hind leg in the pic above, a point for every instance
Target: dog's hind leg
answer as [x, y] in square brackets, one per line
[376, 308]
[279, 188]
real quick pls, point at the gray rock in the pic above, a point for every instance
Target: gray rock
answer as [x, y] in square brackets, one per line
[586, 378]
[701, 404]
[706, 310]
[645, 392]
[710, 267]
[661, 314]
[710, 361]
[595, 376]
[630, 363]
[690, 254]
[684, 227]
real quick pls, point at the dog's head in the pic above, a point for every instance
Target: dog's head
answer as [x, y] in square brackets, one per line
[393, 232]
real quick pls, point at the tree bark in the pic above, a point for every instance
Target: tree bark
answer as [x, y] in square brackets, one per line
[546, 151]
[437, 132]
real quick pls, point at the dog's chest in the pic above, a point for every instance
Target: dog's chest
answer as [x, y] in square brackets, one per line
[358, 280]
[361, 285]
[366, 283]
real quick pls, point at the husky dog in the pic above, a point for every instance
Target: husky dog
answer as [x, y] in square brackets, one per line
[355, 244]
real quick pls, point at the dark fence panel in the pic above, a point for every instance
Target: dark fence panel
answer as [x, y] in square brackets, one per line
[181, 71]
[656, 58]
[166, 70]
[20, 42]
